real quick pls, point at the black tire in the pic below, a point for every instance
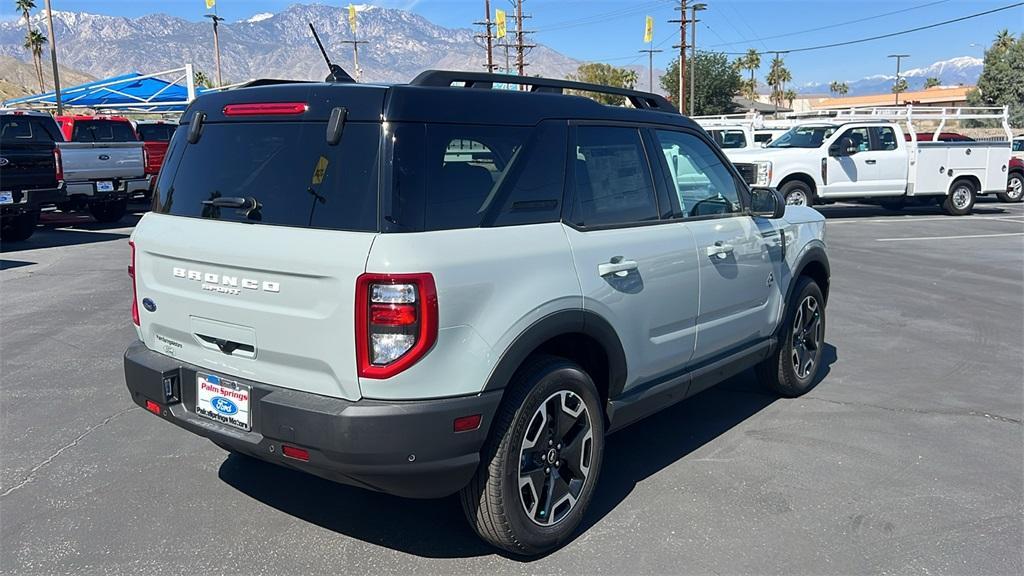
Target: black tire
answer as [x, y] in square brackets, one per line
[779, 371]
[961, 197]
[494, 501]
[798, 193]
[894, 205]
[20, 227]
[1014, 189]
[107, 212]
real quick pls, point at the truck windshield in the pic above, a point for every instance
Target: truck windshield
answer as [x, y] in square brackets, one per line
[803, 137]
[729, 138]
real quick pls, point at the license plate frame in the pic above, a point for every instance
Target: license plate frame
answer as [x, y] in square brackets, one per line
[223, 400]
[105, 186]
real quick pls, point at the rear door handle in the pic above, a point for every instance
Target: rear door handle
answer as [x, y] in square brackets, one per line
[720, 249]
[871, 161]
[617, 266]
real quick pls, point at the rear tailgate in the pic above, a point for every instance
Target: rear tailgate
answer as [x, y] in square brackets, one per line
[27, 166]
[101, 161]
[260, 229]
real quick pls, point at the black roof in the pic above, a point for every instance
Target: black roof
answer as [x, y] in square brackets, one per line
[432, 97]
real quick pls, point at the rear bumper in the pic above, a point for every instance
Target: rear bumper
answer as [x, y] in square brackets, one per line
[32, 200]
[405, 448]
[122, 187]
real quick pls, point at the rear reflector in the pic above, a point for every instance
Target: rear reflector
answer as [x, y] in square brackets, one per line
[153, 407]
[467, 423]
[393, 314]
[296, 453]
[266, 109]
[135, 292]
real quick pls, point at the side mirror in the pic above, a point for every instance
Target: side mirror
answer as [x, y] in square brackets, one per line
[844, 147]
[767, 203]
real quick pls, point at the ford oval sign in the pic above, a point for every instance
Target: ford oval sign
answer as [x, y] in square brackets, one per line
[224, 406]
[4, 161]
[104, 157]
[149, 305]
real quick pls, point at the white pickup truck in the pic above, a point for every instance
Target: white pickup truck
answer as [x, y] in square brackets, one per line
[875, 154]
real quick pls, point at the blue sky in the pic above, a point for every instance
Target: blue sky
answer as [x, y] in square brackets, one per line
[612, 30]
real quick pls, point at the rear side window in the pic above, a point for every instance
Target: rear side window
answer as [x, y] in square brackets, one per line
[156, 132]
[729, 138]
[27, 129]
[613, 178]
[286, 172]
[451, 176]
[102, 131]
[1018, 145]
[886, 138]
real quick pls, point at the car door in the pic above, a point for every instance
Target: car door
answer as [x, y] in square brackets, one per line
[737, 254]
[890, 161]
[853, 175]
[637, 268]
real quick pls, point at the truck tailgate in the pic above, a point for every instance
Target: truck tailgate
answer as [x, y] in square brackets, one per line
[102, 161]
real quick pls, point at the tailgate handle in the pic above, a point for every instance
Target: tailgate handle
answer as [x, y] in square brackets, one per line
[228, 347]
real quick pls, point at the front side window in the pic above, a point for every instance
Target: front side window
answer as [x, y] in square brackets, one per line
[613, 178]
[859, 139]
[704, 185]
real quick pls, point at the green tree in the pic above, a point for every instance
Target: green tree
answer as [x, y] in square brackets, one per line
[1002, 79]
[200, 79]
[25, 7]
[900, 86]
[789, 96]
[931, 82]
[750, 62]
[607, 75]
[718, 80]
[778, 75]
[34, 42]
[1004, 40]
[838, 88]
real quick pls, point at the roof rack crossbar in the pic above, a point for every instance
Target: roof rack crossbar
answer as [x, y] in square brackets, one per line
[486, 81]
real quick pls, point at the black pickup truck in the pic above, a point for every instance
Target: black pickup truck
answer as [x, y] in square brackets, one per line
[30, 171]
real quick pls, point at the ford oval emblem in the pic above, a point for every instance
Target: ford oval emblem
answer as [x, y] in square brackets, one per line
[4, 161]
[149, 305]
[104, 157]
[224, 406]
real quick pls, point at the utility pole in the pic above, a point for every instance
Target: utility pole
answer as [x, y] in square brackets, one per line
[53, 58]
[216, 44]
[650, 67]
[899, 58]
[693, 54]
[682, 54]
[487, 36]
[521, 45]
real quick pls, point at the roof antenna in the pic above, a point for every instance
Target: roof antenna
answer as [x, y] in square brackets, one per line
[338, 73]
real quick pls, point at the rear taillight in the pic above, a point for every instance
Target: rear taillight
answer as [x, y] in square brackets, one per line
[396, 322]
[135, 293]
[145, 159]
[266, 109]
[58, 162]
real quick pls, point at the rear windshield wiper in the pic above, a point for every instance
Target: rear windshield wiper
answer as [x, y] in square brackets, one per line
[248, 203]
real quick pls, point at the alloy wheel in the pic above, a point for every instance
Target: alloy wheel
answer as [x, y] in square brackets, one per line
[555, 458]
[806, 337]
[961, 197]
[1015, 189]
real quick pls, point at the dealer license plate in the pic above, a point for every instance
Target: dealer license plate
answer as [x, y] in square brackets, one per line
[222, 400]
[104, 186]
[6, 197]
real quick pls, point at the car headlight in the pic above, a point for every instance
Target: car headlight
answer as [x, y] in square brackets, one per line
[764, 173]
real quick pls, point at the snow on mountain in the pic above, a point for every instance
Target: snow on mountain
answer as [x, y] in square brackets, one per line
[259, 17]
[963, 70]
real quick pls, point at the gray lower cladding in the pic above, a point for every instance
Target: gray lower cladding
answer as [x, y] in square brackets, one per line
[405, 448]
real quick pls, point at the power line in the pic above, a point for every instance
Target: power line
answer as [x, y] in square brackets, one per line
[882, 36]
[830, 26]
[602, 17]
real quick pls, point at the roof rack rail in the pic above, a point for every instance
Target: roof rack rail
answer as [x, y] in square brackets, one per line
[484, 80]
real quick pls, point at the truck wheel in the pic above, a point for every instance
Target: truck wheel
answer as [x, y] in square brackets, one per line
[539, 467]
[107, 212]
[797, 193]
[960, 200]
[791, 369]
[1014, 188]
[20, 227]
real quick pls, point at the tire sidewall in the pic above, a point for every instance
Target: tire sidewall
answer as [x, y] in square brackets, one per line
[533, 537]
[798, 186]
[804, 289]
[1020, 180]
[949, 204]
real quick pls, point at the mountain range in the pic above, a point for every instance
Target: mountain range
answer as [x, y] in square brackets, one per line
[400, 44]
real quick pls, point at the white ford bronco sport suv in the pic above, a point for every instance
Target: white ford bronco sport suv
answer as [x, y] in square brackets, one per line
[397, 287]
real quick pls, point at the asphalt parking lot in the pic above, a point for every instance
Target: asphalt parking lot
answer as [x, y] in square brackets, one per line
[907, 458]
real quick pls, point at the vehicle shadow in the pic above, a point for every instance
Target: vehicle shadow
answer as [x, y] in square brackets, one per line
[840, 211]
[57, 229]
[437, 528]
[11, 264]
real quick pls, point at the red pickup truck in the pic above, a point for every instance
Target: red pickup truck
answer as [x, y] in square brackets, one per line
[155, 136]
[1014, 181]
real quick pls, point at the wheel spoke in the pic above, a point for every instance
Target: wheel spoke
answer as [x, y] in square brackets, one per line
[574, 452]
[557, 489]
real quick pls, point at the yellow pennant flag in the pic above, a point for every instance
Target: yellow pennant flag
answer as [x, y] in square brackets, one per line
[649, 30]
[499, 18]
[210, 3]
[352, 18]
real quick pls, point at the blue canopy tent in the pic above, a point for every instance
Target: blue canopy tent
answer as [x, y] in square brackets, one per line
[167, 91]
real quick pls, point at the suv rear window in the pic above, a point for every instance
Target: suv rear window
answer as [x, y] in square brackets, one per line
[15, 129]
[102, 131]
[293, 174]
[155, 132]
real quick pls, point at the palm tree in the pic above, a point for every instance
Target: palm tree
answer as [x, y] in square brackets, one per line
[750, 62]
[778, 75]
[1004, 40]
[900, 86]
[838, 88]
[931, 82]
[34, 41]
[789, 96]
[201, 79]
[26, 7]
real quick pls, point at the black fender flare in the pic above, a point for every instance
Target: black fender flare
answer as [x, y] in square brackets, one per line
[556, 324]
[814, 255]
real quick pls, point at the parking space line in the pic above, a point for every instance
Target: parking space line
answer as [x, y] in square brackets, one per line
[832, 221]
[950, 237]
